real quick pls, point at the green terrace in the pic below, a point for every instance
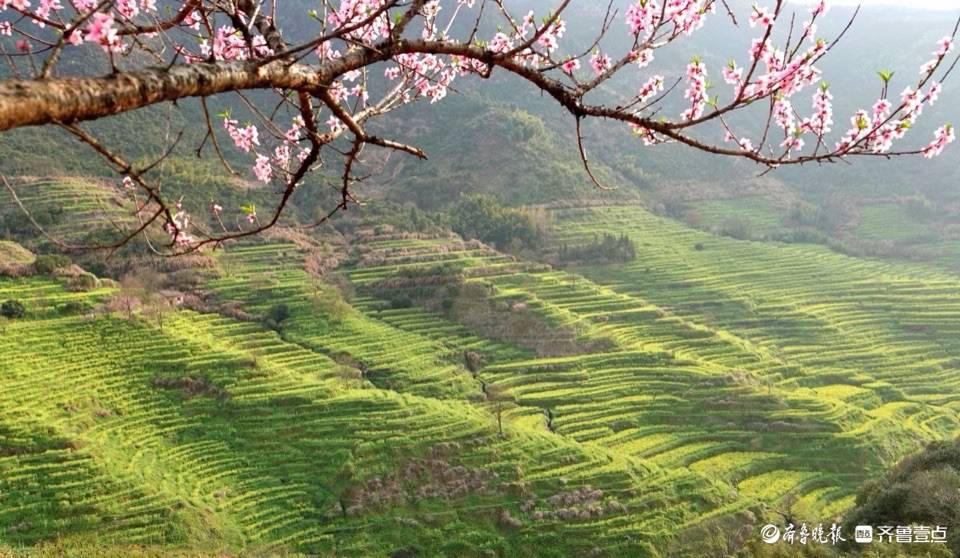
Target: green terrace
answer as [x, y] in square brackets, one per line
[213, 429]
[717, 371]
[90, 206]
[694, 386]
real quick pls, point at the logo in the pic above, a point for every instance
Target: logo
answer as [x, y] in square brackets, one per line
[770, 534]
[863, 534]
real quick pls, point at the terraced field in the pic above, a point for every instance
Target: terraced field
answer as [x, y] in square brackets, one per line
[893, 223]
[90, 207]
[873, 344]
[735, 378]
[793, 370]
[756, 215]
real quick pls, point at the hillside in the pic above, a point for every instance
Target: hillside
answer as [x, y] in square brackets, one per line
[483, 354]
[706, 384]
[530, 142]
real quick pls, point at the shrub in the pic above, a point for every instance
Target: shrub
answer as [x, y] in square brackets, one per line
[329, 301]
[14, 270]
[609, 249]
[924, 488]
[483, 218]
[83, 282]
[12, 309]
[473, 361]
[48, 263]
[185, 279]
[276, 315]
[737, 228]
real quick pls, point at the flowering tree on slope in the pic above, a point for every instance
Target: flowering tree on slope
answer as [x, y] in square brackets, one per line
[369, 57]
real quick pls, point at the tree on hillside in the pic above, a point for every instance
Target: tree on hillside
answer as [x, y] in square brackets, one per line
[141, 290]
[319, 93]
[12, 309]
[481, 217]
[277, 315]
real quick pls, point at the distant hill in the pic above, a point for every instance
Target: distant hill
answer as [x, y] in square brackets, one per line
[501, 137]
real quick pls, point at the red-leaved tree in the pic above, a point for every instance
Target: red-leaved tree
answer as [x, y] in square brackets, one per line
[368, 57]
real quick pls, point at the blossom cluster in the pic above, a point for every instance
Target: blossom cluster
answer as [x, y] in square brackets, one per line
[531, 44]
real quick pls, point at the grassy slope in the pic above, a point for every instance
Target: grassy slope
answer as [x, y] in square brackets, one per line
[11, 252]
[793, 371]
[740, 373]
[106, 452]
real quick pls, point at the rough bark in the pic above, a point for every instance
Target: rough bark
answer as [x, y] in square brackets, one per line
[65, 100]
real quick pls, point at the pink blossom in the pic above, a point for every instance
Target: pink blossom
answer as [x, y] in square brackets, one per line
[881, 140]
[262, 169]
[822, 120]
[244, 138]
[687, 16]
[570, 66]
[643, 58]
[293, 134]
[548, 41]
[732, 74]
[84, 6]
[228, 44]
[934, 93]
[101, 31]
[859, 125]
[177, 226]
[600, 63]
[354, 12]
[646, 135]
[761, 16]
[335, 125]
[281, 155]
[696, 90]
[944, 46]
[128, 8]
[793, 142]
[942, 137]
[759, 49]
[783, 114]
[643, 16]
[193, 20]
[881, 109]
[44, 9]
[912, 102]
[653, 86]
[819, 9]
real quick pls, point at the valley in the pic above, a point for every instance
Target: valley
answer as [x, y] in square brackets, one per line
[707, 385]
